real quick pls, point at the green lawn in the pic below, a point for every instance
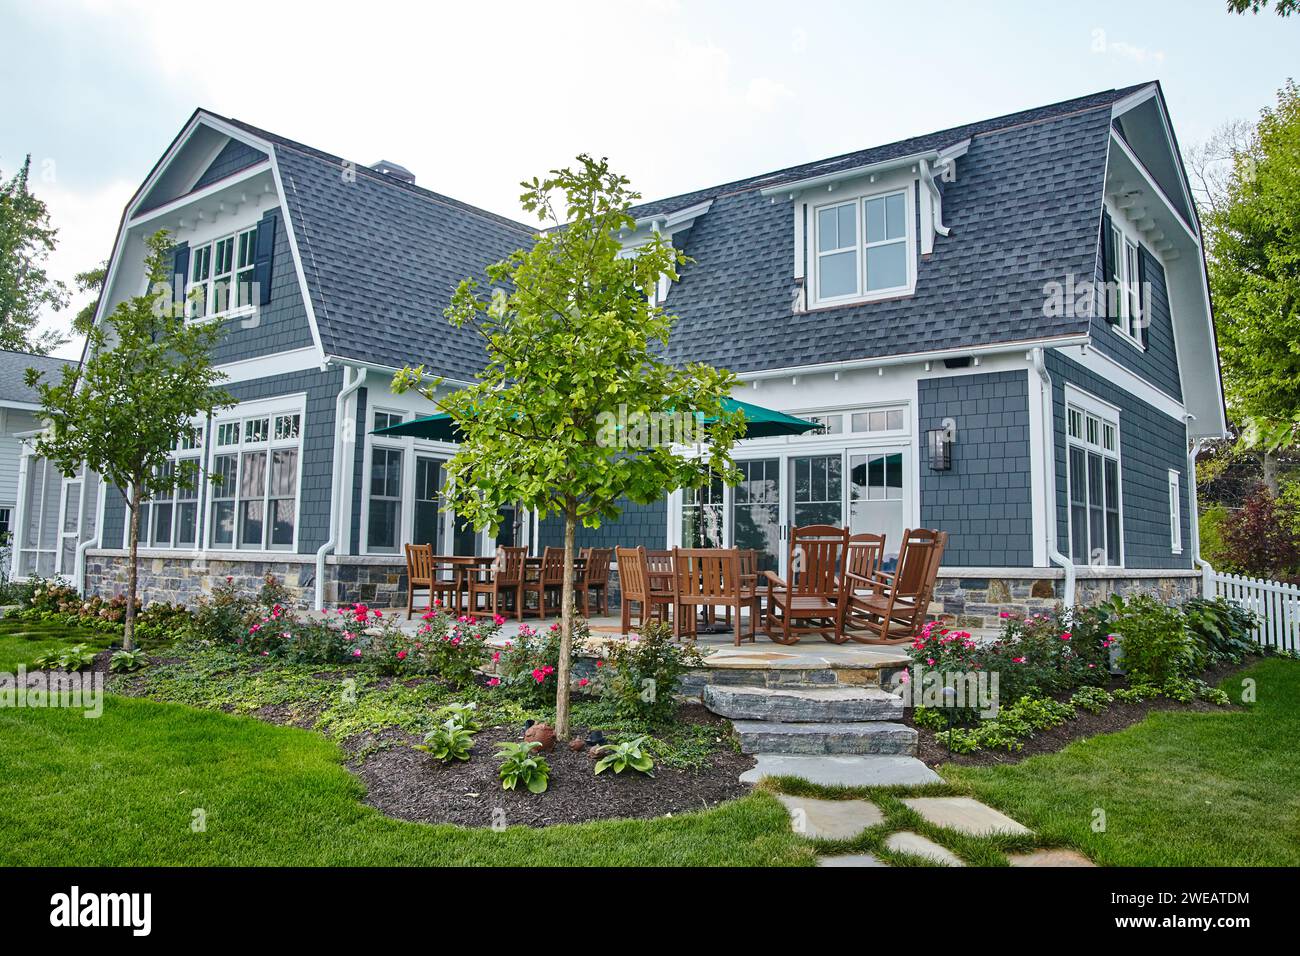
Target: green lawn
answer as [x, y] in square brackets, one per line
[21, 642]
[121, 790]
[1178, 789]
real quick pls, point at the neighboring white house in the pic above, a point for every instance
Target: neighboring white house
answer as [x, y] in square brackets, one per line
[18, 407]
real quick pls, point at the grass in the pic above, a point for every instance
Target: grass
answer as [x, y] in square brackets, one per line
[21, 642]
[1181, 788]
[122, 790]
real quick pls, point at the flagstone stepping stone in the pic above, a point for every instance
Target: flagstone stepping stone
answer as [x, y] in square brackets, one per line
[865, 737]
[880, 770]
[851, 859]
[802, 704]
[1049, 858]
[830, 819]
[964, 815]
[905, 841]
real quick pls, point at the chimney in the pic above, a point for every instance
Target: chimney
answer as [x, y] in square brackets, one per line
[395, 170]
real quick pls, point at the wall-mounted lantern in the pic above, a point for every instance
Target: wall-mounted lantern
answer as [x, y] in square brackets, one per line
[939, 442]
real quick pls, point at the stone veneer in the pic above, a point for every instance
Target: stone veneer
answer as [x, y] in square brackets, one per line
[977, 603]
[182, 579]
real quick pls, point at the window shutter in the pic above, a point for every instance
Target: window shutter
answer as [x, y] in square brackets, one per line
[263, 254]
[1109, 299]
[1145, 324]
[180, 271]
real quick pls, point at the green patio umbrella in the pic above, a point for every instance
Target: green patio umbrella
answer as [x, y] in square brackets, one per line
[760, 422]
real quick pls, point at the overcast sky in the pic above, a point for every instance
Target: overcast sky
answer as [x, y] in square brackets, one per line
[473, 97]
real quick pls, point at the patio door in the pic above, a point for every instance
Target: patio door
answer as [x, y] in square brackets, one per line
[878, 494]
[756, 511]
[427, 522]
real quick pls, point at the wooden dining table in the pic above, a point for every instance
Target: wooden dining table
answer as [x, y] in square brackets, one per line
[464, 565]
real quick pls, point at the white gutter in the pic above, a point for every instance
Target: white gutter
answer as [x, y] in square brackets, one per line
[1207, 570]
[349, 387]
[79, 563]
[911, 358]
[1049, 450]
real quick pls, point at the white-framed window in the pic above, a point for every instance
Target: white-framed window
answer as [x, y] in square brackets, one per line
[257, 461]
[880, 420]
[171, 519]
[1175, 511]
[1093, 479]
[827, 424]
[222, 272]
[1124, 299]
[6, 523]
[864, 248]
[384, 487]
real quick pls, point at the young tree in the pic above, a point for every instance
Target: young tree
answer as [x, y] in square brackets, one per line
[147, 375]
[572, 337]
[1253, 249]
[90, 282]
[26, 240]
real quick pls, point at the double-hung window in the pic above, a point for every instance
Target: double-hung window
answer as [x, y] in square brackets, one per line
[1175, 511]
[222, 273]
[384, 512]
[1123, 296]
[171, 518]
[255, 497]
[1092, 437]
[863, 248]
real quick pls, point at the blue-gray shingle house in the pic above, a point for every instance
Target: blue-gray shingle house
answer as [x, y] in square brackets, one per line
[1003, 329]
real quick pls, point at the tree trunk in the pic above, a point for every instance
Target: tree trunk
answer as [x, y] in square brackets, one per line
[128, 630]
[566, 630]
[1270, 473]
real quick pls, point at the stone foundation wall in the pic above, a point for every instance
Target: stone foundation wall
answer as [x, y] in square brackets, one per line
[177, 579]
[976, 603]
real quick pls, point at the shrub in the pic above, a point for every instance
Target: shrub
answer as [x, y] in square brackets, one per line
[629, 753]
[527, 665]
[69, 659]
[1261, 538]
[224, 616]
[1155, 643]
[520, 765]
[1092, 699]
[641, 676]
[1223, 629]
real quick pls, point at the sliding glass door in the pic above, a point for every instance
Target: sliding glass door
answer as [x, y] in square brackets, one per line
[756, 510]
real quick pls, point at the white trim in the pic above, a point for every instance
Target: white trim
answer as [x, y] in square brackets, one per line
[1131, 102]
[1041, 497]
[269, 366]
[172, 206]
[829, 181]
[859, 198]
[21, 406]
[1142, 171]
[1109, 369]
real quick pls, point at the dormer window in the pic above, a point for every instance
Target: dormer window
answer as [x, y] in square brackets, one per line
[864, 248]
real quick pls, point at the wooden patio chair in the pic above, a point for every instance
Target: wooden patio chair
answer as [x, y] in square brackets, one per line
[863, 562]
[505, 576]
[419, 574]
[750, 587]
[548, 583]
[813, 595]
[895, 611]
[709, 578]
[595, 577]
[653, 592]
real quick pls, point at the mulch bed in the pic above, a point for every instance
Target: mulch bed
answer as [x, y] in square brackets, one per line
[409, 784]
[1117, 716]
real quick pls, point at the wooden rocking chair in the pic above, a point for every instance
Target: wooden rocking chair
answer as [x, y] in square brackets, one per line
[816, 563]
[861, 566]
[895, 611]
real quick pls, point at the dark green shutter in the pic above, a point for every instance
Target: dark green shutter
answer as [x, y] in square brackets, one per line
[1143, 298]
[264, 255]
[1109, 300]
[180, 276]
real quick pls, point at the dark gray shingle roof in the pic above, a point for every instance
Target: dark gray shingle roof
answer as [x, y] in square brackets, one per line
[382, 257]
[13, 373]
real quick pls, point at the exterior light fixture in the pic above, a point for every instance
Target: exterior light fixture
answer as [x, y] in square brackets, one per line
[939, 443]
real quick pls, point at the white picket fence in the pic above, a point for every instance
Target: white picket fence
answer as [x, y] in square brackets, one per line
[1276, 606]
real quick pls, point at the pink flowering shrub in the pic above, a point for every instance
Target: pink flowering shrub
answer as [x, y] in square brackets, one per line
[527, 665]
[445, 646]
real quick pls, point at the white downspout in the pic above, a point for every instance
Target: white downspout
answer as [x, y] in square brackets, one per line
[1049, 446]
[1207, 570]
[79, 575]
[350, 385]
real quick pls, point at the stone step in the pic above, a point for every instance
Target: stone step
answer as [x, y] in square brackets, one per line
[880, 770]
[803, 704]
[865, 737]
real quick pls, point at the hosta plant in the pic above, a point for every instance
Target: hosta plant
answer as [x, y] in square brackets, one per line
[464, 716]
[448, 742]
[519, 765]
[630, 753]
[127, 660]
[70, 659]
